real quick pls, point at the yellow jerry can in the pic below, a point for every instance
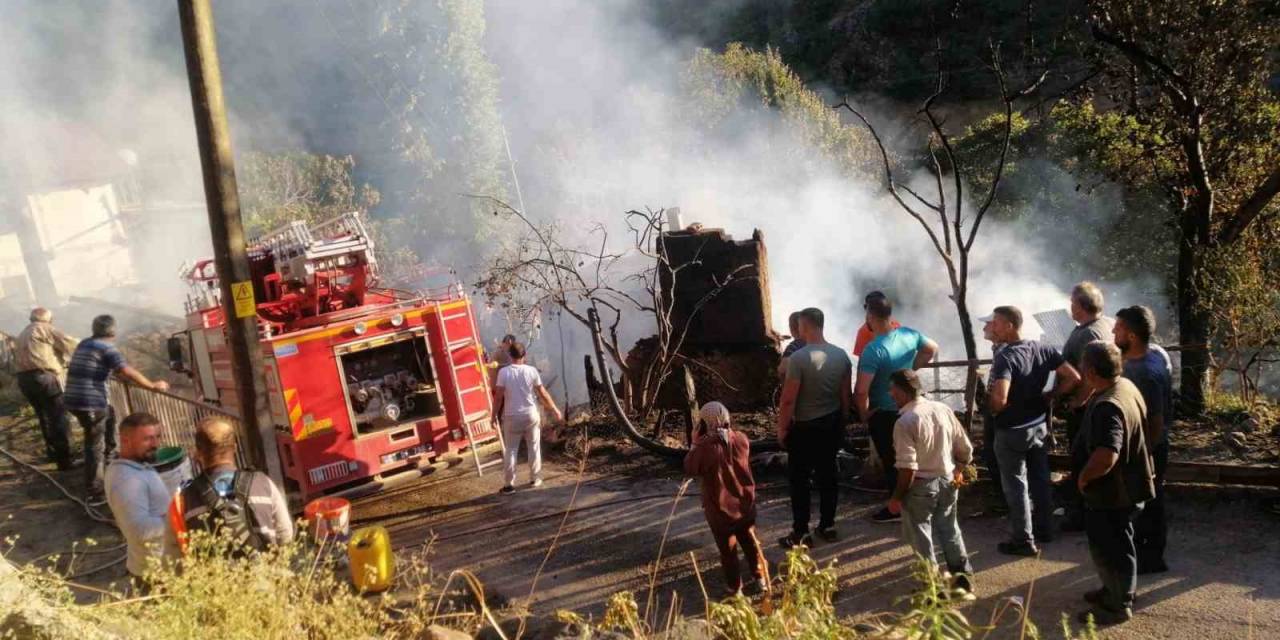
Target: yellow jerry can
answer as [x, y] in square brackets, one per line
[372, 565]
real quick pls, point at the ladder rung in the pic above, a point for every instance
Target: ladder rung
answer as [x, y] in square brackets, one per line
[472, 417]
[454, 316]
[474, 389]
[459, 344]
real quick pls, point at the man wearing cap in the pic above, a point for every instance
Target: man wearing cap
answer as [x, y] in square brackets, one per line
[40, 357]
[1019, 405]
[892, 349]
[720, 459]
[96, 359]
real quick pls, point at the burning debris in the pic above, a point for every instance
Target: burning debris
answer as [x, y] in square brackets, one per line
[716, 291]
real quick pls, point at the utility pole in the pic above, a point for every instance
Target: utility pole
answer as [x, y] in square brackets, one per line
[230, 258]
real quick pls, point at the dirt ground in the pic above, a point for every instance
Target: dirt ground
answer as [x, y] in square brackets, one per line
[1224, 583]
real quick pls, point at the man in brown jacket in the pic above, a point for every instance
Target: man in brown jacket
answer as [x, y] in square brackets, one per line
[1115, 480]
[720, 460]
[40, 358]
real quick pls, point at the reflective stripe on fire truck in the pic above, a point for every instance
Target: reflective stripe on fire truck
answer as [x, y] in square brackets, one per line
[304, 426]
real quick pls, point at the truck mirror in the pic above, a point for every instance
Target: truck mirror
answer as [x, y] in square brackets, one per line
[177, 361]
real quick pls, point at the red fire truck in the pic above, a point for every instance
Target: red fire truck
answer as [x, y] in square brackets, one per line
[366, 383]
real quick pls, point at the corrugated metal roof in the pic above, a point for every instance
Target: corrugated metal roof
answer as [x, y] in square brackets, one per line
[1056, 325]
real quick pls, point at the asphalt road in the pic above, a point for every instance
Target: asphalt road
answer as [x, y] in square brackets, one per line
[1224, 554]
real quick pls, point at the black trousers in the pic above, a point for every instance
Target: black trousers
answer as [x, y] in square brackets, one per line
[1151, 529]
[99, 446]
[44, 392]
[811, 452]
[1110, 534]
[881, 427]
[1072, 502]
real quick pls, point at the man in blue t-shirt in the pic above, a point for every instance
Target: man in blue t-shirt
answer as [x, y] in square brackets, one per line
[1018, 401]
[96, 359]
[1149, 371]
[892, 349]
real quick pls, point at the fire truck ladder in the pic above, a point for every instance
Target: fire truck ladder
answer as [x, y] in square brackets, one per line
[341, 235]
[468, 419]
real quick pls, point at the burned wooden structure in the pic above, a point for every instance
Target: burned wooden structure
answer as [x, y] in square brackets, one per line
[716, 292]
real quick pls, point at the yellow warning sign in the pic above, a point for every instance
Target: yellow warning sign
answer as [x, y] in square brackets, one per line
[242, 293]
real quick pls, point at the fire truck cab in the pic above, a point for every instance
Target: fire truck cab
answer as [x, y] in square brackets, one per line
[365, 383]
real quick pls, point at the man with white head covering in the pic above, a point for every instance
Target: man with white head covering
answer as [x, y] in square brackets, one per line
[720, 459]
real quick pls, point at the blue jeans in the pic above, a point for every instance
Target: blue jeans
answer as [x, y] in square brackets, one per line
[1024, 477]
[929, 519]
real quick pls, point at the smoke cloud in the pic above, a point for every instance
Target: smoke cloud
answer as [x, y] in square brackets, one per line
[594, 104]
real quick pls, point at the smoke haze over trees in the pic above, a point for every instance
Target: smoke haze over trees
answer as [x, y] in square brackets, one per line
[613, 106]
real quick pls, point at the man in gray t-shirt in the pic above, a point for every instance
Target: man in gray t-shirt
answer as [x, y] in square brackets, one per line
[1091, 326]
[816, 399]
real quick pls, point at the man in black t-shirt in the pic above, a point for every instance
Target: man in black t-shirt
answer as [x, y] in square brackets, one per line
[1115, 479]
[1018, 402]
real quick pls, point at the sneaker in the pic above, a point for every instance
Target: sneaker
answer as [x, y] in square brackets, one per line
[794, 539]
[1103, 616]
[827, 533]
[536, 483]
[755, 587]
[1027, 549]
[507, 489]
[884, 516]
[962, 588]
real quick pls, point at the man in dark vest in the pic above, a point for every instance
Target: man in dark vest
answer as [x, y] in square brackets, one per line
[1115, 479]
[244, 506]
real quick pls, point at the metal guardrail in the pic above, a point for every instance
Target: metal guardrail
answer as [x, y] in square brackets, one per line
[178, 416]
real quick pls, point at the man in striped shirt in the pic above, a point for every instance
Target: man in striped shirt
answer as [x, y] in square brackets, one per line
[96, 359]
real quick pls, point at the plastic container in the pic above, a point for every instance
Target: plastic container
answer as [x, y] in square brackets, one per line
[373, 567]
[174, 467]
[328, 518]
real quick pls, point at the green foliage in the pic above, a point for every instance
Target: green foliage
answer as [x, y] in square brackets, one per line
[884, 46]
[298, 590]
[277, 188]
[441, 91]
[718, 84]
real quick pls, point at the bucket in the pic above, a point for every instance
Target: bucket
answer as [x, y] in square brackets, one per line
[174, 467]
[372, 565]
[328, 518]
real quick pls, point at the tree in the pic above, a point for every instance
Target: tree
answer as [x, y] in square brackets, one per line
[278, 188]
[952, 231]
[1188, 81]
[717, 85]
[437, 92]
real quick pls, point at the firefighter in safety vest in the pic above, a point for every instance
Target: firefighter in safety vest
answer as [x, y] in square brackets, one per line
[244, 506]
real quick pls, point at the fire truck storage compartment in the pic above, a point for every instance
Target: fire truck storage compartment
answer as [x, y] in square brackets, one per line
[389, 381]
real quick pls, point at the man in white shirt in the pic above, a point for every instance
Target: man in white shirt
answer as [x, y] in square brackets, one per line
[136, 494]
[515, 399]
[931, 450]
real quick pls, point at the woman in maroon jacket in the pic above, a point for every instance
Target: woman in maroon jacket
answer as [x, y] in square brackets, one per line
[720, 460]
